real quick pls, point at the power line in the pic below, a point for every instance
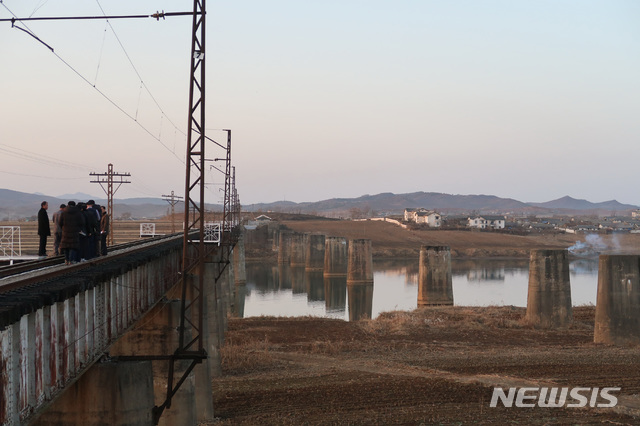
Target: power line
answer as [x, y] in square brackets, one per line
[136, 70]
[39, 158]
[43, 177]
[157, 15]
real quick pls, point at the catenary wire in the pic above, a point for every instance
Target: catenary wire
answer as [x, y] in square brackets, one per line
[104, 95]
[136, 69]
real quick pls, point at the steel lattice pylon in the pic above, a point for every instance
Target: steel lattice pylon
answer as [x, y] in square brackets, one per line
[193, 237]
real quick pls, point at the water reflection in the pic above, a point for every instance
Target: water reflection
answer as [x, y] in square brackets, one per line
[314, 284]
[280, 290]
[335, 290]
[360, 301]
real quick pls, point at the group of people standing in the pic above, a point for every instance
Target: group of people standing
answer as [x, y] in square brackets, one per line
[80, 231]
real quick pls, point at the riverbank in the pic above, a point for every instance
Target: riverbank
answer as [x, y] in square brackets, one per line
[392, 241]
[429, 366]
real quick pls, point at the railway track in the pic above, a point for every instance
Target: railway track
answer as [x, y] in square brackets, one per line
[33, 271]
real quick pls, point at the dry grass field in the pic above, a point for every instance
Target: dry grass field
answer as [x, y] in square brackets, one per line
[429, 366]
[389, 240]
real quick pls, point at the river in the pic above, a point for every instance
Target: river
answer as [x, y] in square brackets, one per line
[284, 291]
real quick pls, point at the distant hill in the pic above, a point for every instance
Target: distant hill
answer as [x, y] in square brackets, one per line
[570, 203]
[77, 196]
[389, 203]
[16, 205]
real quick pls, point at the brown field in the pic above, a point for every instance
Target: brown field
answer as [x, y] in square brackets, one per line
[430, 366]
[388, 240]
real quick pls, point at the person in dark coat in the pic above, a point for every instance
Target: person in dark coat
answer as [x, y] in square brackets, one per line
[44, 230]
[92, 215]
[91, 228]
[72, 223]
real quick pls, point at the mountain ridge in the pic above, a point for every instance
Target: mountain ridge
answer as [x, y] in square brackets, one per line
[16, 205]
[391, 203]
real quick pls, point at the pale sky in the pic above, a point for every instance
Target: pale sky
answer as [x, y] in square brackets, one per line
[531, 100]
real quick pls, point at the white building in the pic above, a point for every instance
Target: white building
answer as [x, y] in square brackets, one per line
[430, 218]
[486, 222]
[410, 215]
[424, 216]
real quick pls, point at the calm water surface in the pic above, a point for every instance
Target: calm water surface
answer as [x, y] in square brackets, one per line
[284, 291]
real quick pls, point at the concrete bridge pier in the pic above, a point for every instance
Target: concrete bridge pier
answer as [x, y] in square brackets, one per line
[240, 277]
[315, 252]
[215, 317]
[360, 279]
[335, 256]
[203, 372]
[284, 247]
[239, 265]
[159, 334]
[240, 297]
[299, 250]
[549, 293]
[618, 300]
[92, 400]
[360, 262]
[223, 293]
[435, 285]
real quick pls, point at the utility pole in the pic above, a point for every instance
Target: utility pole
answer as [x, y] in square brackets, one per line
[107, 178]
[172, 200]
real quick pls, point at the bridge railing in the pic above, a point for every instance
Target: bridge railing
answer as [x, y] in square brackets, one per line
[51, 331]
[10, 243]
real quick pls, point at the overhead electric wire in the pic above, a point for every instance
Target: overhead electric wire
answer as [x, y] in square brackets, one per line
[44, 177]
[136, 70]
[42, 3]
[39, 158]
[30, 32]
[118, 107]
[104, 38]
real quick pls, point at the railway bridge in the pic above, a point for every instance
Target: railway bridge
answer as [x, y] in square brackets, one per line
[95, 342]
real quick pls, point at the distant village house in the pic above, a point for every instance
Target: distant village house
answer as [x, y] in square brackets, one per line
[258, 221]
[423, 216]
[486, 222]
